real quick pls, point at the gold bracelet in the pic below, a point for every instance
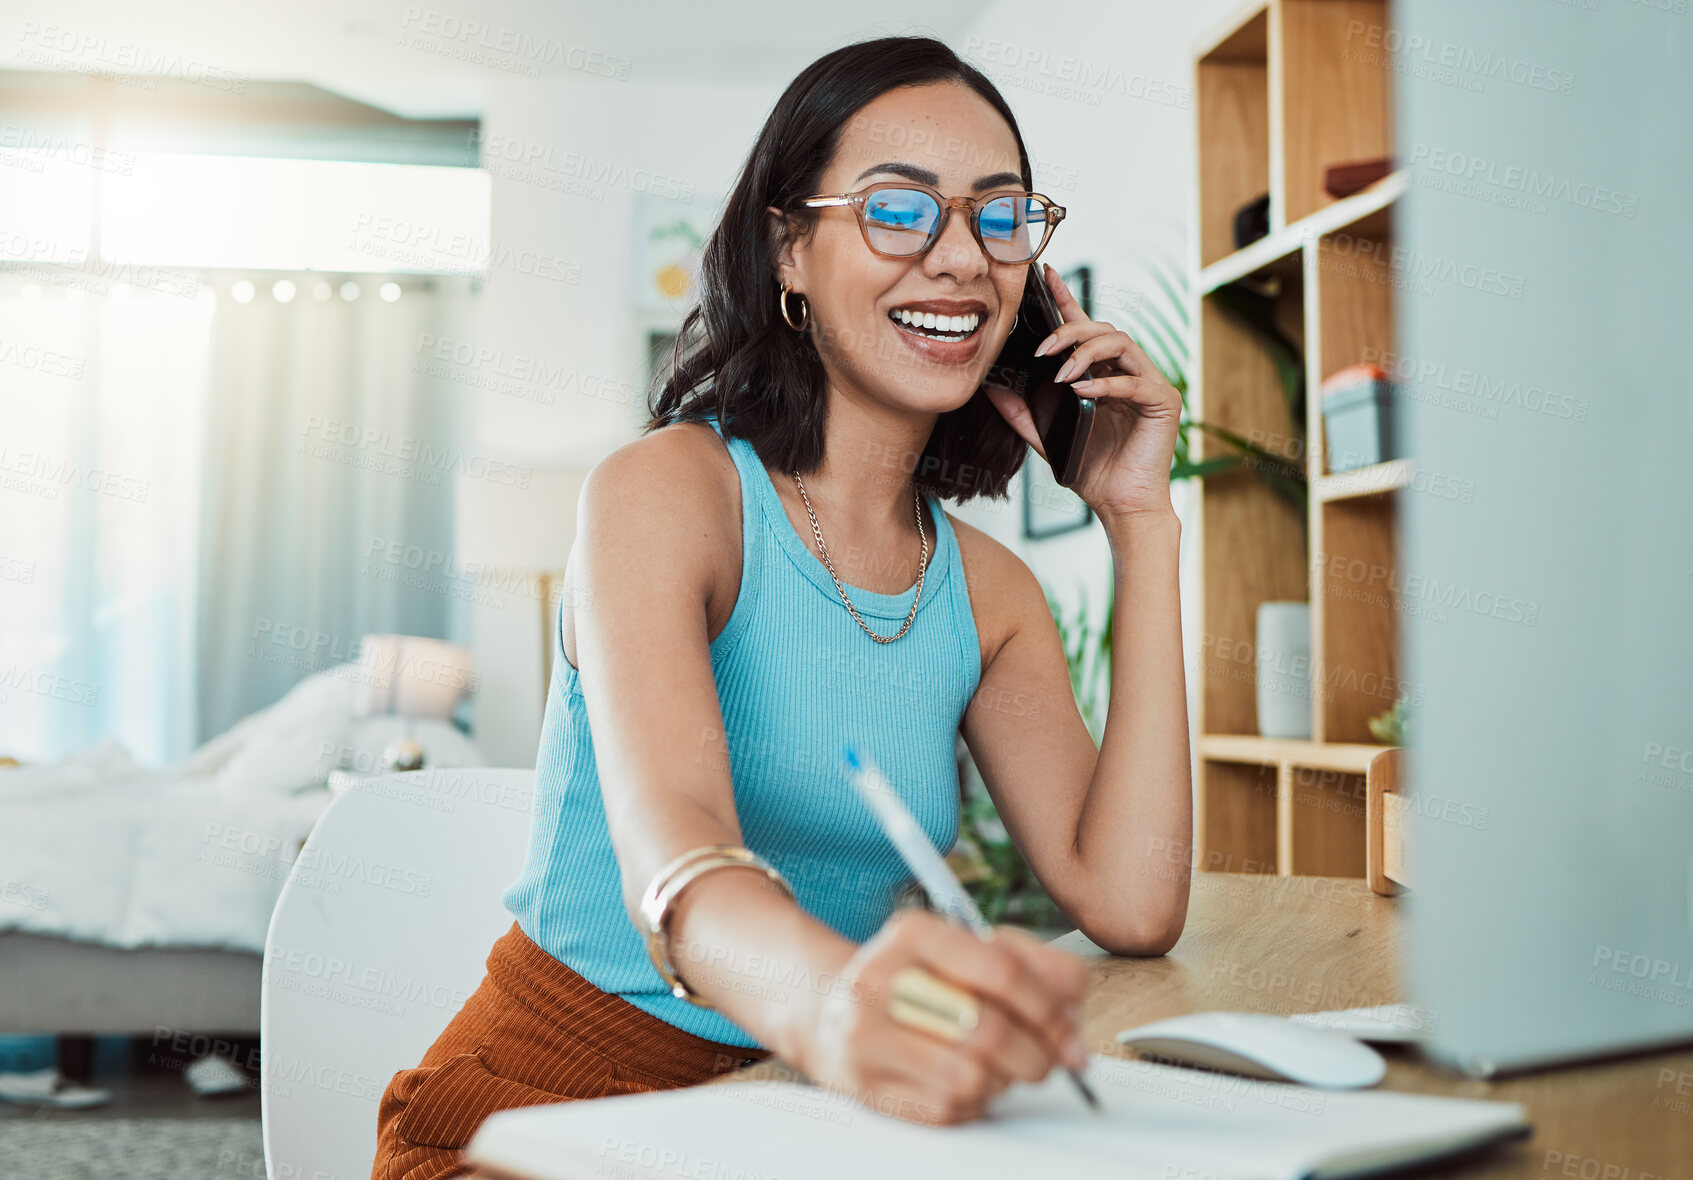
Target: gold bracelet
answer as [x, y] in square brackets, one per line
[669, 881]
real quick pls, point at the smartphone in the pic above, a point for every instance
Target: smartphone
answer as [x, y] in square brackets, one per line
[1063, 417]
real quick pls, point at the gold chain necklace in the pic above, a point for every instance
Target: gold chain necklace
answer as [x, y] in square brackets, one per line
[922, 567]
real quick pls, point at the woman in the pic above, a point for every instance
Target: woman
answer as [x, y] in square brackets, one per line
[768, 574]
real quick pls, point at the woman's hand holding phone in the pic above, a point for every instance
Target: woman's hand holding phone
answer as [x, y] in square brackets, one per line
[1125, 471]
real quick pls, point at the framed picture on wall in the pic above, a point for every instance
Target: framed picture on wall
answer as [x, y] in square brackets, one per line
[668, 238]
[1049, 508]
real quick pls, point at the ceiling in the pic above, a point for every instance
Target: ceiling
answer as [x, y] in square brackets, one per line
[438, 59]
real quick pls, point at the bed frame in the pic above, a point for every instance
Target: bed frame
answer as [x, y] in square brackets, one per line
[56, 985]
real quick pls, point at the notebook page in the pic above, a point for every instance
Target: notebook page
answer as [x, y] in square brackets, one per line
[1158, 1122]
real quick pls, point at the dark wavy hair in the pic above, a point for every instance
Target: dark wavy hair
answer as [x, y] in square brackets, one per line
[734, 354]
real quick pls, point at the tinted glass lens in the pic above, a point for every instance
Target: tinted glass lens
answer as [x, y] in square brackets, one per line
[1013, 228]
[900, 220]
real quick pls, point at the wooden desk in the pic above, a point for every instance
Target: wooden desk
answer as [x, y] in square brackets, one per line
[1305, 944]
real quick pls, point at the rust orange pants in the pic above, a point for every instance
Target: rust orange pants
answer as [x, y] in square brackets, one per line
[534, 1032]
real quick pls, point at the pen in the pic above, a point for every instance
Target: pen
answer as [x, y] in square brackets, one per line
[927, 865]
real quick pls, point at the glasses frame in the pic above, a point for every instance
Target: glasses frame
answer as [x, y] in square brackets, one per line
[970, 205]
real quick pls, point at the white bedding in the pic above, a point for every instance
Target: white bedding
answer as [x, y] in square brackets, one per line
[100, 848]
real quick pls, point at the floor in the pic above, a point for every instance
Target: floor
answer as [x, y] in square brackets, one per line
[158, 1096]
[150, 1085]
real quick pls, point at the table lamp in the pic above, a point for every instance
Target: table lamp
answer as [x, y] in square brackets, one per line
[524, 531]
[410, 676]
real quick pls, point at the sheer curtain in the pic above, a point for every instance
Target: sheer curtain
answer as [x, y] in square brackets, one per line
[330, 454]
[185, 529]
[101, 388]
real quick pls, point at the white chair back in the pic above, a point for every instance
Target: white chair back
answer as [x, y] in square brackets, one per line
[379, 936]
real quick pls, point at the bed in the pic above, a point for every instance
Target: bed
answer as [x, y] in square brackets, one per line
[136, 900]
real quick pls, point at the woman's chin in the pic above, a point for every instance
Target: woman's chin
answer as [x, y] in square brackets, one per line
[927, 392]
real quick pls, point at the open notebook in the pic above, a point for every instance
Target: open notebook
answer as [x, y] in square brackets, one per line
[1159, 1122]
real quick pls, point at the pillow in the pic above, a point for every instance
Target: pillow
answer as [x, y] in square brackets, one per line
[296, 742]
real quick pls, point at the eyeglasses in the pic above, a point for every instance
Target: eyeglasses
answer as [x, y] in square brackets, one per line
[903, 219]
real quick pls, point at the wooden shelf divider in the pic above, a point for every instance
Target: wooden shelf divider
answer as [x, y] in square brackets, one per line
[1342, 757]
[1392, 476]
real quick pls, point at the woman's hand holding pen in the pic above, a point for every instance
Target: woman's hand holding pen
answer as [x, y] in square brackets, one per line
[1028, 998]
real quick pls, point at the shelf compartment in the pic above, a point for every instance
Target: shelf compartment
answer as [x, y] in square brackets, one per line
[1323, 829]
[1349, 270]
[1255, 547]
[1363, 214]
[1298, 806]
[1355, 616]
[1232, 95]
[1237, 818]
[1331, 94]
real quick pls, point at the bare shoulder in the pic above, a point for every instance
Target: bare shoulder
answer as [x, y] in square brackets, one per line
[1005, 595]
[670, 501]
[684, 466]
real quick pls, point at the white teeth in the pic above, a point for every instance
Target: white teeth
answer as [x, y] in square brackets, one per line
[956, 325]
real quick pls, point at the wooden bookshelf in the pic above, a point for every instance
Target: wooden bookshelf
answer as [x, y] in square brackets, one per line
[1284, 89]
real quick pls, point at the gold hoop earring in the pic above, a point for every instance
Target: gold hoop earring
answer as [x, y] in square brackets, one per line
[805, 309]
[1014, 320]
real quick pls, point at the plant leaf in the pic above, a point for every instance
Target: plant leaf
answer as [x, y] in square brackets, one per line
[1185, 469]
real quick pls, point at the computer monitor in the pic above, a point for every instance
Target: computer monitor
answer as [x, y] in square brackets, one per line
[1545, 345]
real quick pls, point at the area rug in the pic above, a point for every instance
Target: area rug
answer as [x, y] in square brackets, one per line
[132, 1149]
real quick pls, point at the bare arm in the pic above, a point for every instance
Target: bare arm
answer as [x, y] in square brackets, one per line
[1096, 825]
[642, 576]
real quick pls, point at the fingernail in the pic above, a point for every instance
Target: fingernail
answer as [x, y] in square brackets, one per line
[1076, 1053]
[1082, 385]
[1066, 370]
[1044, 345]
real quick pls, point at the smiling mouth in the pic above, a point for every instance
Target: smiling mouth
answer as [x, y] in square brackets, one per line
[934, 327]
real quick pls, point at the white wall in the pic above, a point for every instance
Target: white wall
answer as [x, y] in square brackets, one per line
[1104, 101]
[694, 136]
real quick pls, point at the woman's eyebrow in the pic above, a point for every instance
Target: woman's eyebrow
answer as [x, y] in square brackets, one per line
[924, 176]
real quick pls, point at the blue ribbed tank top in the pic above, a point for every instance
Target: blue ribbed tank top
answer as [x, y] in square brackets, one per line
[797, 680]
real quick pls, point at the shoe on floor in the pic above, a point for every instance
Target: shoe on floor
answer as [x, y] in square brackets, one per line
[47, 1087]
[215, 1075]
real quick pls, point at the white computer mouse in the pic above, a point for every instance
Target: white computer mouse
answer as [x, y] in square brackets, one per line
[1260, 1046]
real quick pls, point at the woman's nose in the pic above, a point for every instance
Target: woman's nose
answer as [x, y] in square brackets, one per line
[956, 251]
